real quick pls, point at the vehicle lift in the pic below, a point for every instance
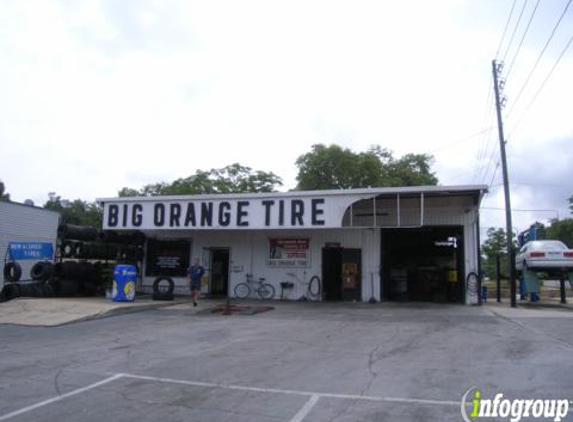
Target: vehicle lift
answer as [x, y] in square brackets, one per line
[529, 280]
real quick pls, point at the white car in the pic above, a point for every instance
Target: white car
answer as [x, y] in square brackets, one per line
[544, 255]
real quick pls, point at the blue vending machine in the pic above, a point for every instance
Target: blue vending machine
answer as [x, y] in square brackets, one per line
[124, 278]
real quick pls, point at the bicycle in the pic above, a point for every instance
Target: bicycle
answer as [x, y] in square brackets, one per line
[313, 287]
[262, 289]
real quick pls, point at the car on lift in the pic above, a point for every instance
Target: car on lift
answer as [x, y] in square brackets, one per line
[549, 256]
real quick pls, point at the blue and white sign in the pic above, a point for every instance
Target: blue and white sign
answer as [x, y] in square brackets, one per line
[20, 251]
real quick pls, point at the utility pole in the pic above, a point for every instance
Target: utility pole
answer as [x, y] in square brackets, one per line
[496, 68]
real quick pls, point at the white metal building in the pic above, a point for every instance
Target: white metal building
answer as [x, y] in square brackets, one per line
[26, 225]
[410, 243]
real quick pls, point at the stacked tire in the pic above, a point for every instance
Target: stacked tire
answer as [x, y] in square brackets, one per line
[41, 273]
[80, 245]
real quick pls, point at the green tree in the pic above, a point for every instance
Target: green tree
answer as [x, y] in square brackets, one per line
[334, 167]
[494, 245]
[571, 203]
[234, 178]
[561, 230]
[4, 196]
[77, 212]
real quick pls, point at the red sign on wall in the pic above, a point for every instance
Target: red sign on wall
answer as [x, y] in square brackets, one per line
[290, 252]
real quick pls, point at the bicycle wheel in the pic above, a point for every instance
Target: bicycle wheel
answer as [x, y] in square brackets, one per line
[314, 287]
[266, 291]
[242, 290]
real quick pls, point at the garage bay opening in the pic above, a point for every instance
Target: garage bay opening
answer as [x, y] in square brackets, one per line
[423, 264]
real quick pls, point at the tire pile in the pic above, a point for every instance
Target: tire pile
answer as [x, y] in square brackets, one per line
[83, 268]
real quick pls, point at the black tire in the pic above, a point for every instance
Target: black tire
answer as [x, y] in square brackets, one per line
[314, 288]
[31, 290]
[71, 231]
[38, 290]
[79, 250]
[88, 289]
[242, 290]
[12, 271]
[42, 270]
[67, 288]
[163, 285]
[67, 249]
[266, 291]
[11, 291]
[48, 290]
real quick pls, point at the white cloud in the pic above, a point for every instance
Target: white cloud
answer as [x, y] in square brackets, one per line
[102, 94]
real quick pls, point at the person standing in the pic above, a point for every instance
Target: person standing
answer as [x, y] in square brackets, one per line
[194, 275]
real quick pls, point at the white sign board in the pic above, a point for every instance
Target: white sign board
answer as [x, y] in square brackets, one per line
[267, 212]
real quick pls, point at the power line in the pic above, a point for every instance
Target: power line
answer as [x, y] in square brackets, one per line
[484, 146]
[514, 30]
[542, 85]
[505, 29]
[539, 57]
[521, 41]
[494, 172]
[492, 155]
[467, 138]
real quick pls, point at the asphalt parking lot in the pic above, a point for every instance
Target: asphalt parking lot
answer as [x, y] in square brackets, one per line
[298, 362]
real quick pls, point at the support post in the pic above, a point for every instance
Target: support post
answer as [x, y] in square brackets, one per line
[562, 289]
[509, 230]
[498, 278]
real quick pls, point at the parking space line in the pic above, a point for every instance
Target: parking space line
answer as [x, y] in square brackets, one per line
[296, 392]
[299, 417]
[58, 398]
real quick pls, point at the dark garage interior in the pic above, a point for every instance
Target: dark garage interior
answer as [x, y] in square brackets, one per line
[423, 264]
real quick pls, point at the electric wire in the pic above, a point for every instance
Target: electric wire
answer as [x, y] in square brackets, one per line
[541, 86]
[505, 29]
[491, 155]
[494, 172]
[521, 41]
[538, 60]
[514, 30]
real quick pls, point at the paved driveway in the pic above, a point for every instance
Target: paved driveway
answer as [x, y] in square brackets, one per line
[298, 362]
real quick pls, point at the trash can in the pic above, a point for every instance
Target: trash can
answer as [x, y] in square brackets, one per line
[124, 278]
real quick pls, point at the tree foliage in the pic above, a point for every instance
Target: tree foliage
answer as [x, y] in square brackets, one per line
[4, 196]
[494, 245]
[334, 167]
[234, 178]
[561, 230]
[77, 212]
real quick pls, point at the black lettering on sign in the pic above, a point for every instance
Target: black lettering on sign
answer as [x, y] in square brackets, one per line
[190, 215]
[296, 212]
[268, 204]
[136, 217]
[174, 215]
[159, 215]
[206, 213]
[112, 215]
[281, 212]
[124, 216]
[316, 212]
[242, 214]
[224, 214]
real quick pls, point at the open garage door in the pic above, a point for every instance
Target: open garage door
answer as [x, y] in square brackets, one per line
[423, 264]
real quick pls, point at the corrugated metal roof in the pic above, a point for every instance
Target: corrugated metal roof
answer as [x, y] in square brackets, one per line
[478, 190]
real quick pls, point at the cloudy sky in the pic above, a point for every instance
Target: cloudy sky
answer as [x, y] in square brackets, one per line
[96, 95]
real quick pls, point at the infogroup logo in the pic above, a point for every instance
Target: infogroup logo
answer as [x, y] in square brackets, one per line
[514, 410]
